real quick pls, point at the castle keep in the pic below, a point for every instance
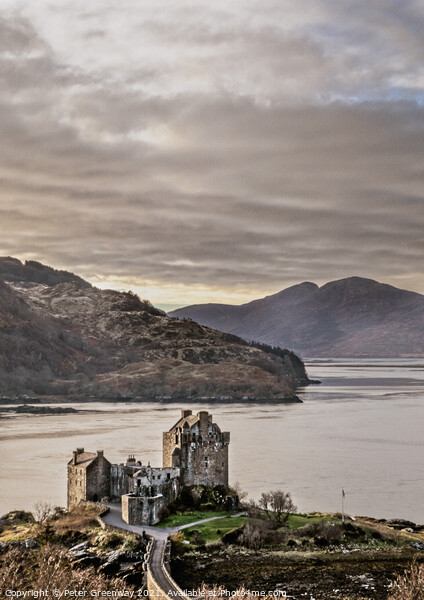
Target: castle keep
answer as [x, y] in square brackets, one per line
[195, 452]
[198, 448]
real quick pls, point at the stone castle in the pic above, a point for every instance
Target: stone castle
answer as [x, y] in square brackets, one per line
[195, 452]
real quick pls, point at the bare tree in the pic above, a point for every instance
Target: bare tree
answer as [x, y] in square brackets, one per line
[278, 505]
[241, 494]
[265, 503]
[253, 509]
[42, 512]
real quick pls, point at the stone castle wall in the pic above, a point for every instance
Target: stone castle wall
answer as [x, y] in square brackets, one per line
[200, 450]
[121, 480]
[145, 506]
[98, 479]
[76, 485]
[204, 463]
[87, 480]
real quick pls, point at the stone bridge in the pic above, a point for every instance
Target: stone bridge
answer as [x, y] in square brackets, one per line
[159, 581]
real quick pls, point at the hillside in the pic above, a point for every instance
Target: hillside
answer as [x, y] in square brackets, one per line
[69, 338]
[353, 317]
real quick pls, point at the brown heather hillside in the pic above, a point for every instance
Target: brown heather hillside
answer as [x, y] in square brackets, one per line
[353, 317]
[71, 338]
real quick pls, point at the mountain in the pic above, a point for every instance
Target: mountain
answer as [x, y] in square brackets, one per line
[353, 317]
[61, 336]
[12, 269]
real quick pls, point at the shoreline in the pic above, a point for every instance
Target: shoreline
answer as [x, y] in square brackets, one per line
[46, 400]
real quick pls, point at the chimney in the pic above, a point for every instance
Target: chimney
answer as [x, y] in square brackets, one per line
[203, 422]
[99, 453]
[131, 460]
[74, 458]
[185, 413]
[80, 450]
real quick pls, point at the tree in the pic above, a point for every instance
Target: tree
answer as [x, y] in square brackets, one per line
[264, 503]
[278, 505]
[236, 489]
[43, 511]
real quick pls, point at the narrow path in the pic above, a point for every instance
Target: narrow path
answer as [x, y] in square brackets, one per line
[114, 518]
[179, 527]
[159, 537]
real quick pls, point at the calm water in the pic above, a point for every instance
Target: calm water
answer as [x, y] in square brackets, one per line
[362, 429]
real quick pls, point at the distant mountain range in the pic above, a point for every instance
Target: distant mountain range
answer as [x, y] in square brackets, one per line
[61, 336]
[353, 317]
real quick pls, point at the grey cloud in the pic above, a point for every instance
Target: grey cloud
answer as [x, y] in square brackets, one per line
[248, 186]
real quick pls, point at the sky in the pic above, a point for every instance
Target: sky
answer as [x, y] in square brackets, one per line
[214, 151]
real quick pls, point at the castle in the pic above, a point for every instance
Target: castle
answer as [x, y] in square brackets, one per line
[195, 452]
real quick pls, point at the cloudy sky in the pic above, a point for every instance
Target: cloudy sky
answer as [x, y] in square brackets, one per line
[214, 151]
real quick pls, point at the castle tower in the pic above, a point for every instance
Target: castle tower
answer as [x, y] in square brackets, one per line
[197, 446]
[88, 477]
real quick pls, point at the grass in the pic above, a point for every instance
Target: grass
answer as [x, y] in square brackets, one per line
[190, 517]
[212, 531]
[80, 518]
[18, 533]
[296, 521]
[114, 540]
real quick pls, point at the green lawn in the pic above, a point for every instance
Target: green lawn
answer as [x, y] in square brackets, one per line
[230, 522]
[213, 531]
[190, 517]
[296, 521]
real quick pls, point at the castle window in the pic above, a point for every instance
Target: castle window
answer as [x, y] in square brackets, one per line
[138, 481]
[176, 439]
[206, 462]
[168, 475]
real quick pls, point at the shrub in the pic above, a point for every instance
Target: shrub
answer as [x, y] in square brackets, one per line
[50, 569]
[332, 533]
[198, 539]
[257, 534]
[410, 585]
[110, 540]
[220, 592]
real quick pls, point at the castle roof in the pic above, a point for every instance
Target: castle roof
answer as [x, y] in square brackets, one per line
[187, 420]
[84, 459]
